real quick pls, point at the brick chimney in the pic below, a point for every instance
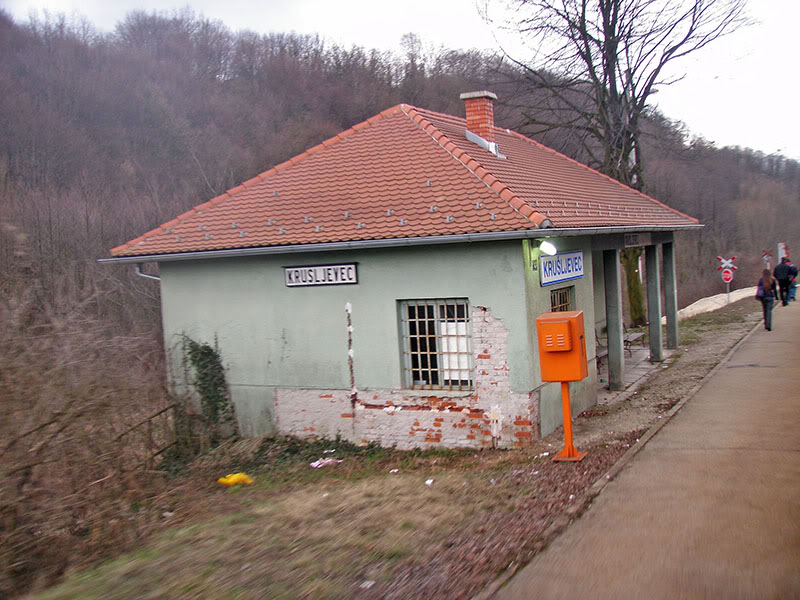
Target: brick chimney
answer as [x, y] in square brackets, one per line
[480, 113]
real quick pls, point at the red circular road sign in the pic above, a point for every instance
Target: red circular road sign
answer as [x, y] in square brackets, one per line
[727, 275]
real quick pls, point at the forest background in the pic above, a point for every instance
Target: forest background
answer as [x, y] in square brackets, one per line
[105, 136]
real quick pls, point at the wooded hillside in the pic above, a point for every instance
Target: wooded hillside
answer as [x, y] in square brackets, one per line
[103, 137]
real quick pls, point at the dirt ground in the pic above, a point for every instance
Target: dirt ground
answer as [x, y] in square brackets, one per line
[390, 524]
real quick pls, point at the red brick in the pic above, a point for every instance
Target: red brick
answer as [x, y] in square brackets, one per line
[523, 434]
[346, 415]
[484, 356]
[523, 423]
[326, 395]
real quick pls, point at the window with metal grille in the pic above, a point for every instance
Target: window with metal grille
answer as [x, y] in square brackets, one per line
[561, 299]
[437, 344]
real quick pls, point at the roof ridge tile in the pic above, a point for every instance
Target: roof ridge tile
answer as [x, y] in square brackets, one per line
[472, 164]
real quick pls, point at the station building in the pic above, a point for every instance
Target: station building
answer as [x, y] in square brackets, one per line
[384, 285]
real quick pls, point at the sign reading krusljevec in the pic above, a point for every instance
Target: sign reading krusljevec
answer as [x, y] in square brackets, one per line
[561, 267]
[320, 275]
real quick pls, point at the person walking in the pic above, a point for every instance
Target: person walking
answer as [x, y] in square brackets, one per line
[793, 284]
[767, 292]
[784, 273]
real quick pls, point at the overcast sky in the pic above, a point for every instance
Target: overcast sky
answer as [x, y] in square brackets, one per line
[742, 90]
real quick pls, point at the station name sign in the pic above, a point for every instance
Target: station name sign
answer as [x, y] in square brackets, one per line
[320, 275]
[561, 267]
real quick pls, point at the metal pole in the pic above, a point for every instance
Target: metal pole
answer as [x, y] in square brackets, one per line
[569, 453]
[728, 287]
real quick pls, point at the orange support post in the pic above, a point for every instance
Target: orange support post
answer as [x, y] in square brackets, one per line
[569, 453]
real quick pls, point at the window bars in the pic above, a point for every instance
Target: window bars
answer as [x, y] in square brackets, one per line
[437, 344]
[561, 299]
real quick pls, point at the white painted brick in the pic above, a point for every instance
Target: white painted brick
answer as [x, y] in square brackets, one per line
[432, 420]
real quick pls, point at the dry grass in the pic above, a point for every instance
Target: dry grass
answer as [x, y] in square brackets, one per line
[73, 484]
[311, 543]
[308, 533]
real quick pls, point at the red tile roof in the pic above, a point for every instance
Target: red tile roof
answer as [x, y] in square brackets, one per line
[406, 172]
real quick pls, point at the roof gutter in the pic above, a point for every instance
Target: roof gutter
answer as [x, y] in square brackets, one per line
[393, 242]
[140, 273]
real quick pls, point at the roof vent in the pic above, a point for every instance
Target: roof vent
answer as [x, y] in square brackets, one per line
[480, 120]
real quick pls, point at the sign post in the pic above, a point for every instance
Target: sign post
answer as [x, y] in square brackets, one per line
[562, 358]
[727, 267]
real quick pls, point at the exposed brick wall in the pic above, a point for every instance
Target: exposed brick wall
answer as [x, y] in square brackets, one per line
[411, 419]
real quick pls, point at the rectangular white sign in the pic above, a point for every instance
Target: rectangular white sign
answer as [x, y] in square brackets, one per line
[320, 275]
[561, 267]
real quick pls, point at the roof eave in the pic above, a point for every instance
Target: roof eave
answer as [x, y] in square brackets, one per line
[396, 242]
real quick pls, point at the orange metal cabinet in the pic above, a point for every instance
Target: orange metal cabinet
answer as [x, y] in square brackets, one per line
[562, 346]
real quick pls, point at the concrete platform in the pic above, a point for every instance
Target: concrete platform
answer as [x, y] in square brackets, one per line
[709, 508]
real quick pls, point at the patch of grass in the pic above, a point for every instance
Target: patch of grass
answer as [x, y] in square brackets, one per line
[688, 337]
[713, 319]
[397, 553]
[315, 542]
[320, 533]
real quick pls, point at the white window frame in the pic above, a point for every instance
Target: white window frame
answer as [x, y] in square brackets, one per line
[437, 344]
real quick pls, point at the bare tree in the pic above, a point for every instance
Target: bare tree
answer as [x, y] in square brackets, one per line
[601, 60]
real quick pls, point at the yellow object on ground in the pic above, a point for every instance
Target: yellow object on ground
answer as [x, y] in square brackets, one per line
[235, 479]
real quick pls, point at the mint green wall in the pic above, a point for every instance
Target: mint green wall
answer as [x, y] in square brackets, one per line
[583, 394]
[273, 336]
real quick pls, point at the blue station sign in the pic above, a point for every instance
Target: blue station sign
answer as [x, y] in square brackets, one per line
[561, 267]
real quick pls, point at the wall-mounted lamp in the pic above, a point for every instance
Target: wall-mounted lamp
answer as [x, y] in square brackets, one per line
[547, 248]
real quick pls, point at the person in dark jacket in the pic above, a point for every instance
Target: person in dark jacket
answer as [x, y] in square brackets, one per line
[784, 273]
[793, 284]
[767, 292]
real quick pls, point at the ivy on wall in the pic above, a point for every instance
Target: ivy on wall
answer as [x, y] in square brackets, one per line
[205, 372]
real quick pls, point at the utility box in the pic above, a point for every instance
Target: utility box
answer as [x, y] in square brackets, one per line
[562, 346]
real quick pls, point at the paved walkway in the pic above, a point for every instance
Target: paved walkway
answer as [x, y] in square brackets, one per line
[637, 368]
[710, 508]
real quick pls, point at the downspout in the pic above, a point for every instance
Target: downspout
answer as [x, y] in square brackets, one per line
[145, 275]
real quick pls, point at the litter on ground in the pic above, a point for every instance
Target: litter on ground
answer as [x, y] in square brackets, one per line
[324, 462]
